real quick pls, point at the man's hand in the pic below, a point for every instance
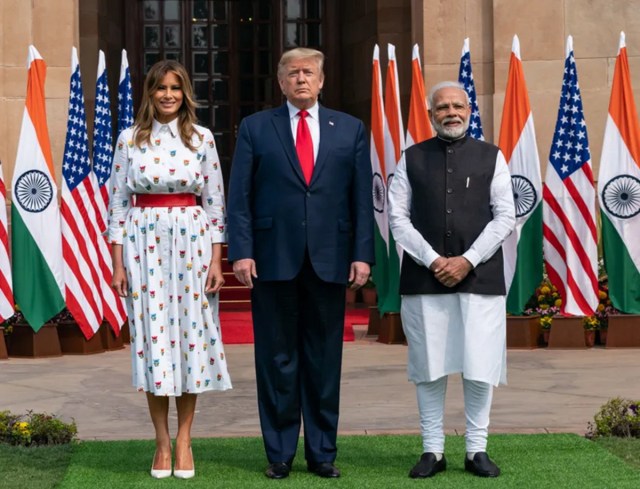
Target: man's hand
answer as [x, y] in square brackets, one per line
[359, 274]
[245, 271]
[451, 271]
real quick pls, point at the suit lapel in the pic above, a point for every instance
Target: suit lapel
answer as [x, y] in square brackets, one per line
[327, 127]
[282, 124]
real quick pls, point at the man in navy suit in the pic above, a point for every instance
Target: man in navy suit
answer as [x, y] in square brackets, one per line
[300, 229]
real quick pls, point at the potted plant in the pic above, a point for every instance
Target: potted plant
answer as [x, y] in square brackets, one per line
[591, 325]
[546, 303]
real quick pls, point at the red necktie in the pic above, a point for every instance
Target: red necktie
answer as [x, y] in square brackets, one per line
[304, 146]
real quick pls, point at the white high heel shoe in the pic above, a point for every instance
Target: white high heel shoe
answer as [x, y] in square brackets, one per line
[185, 474]
[159, 473]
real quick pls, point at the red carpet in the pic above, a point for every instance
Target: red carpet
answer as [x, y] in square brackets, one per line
[237, 327]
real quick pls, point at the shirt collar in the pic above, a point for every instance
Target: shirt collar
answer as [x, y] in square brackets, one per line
[158, 128]
[313, 110]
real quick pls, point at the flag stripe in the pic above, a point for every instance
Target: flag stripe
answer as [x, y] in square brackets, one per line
[516, 109]
[418, 125]
[622, 107]
[555, 275]
[6, 287]
[35, 106]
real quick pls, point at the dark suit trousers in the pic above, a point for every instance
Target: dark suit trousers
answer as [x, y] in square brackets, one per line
[298, 328]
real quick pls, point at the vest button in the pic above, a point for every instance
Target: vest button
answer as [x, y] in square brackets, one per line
[449, 211]
[449, 255]
[448, 234]
[449, 190]
[449, 170]
[450, 151]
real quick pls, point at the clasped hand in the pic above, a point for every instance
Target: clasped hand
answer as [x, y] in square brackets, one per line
[450, 271]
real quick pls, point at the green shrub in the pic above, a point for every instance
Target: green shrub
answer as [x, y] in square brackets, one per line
[35, 429]
[617, 417]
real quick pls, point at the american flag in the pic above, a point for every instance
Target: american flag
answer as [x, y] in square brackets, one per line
[6, 287]
[569, 224]
[114, 311]
[465, 76]
[125, 95]
[79, 229]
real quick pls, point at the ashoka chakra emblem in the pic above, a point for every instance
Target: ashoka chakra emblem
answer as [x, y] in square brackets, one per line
[524, 195]
[33, 191]
[621, 196]
[379, 193]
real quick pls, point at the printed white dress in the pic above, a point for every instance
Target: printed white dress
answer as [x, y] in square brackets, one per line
[176, 342]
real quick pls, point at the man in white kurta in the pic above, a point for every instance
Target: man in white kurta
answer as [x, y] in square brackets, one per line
[450, 208]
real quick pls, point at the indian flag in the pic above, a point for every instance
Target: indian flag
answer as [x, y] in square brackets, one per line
[523, 248]
[394, 152]
[380, 140]
[619, 190]
[38, 283]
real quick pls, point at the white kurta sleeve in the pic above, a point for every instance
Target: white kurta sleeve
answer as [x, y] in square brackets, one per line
[405, 234]
[213, 190]
[504, 216]
[120, 201]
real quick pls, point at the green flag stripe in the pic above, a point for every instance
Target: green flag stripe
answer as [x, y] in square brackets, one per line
[35, 289]
[380, 270]
[391, 302]
[624, 277]
[528, 274]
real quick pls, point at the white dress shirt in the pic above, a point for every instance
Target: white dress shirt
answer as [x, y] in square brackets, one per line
[313, 121]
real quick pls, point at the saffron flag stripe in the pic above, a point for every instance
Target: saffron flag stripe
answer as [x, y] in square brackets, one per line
[418, 125]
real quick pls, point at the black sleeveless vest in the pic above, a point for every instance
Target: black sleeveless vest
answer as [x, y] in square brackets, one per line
[450, 207]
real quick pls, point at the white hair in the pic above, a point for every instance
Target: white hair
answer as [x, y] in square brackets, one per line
[447, 84]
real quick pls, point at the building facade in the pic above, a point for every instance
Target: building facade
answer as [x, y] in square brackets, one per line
[231, 49]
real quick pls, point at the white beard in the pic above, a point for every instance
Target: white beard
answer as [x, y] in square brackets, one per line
[450, 133]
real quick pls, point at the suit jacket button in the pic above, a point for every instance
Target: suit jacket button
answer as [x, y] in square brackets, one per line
[308, 194]
[304, 223]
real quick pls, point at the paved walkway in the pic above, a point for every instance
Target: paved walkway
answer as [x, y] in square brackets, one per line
[554, 391]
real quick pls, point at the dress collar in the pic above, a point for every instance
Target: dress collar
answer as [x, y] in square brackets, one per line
[158, 128]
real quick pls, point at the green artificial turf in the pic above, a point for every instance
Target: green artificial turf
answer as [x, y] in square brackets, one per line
[528, 461]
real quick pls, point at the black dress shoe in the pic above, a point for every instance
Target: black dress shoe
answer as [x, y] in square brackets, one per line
[481, 465]
[324, 469]
[278, 470]
[428, 466]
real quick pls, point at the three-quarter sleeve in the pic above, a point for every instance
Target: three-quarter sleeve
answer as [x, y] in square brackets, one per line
[213, 190]
[120, 200]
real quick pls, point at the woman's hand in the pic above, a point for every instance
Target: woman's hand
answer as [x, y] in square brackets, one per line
[215, 279]
[119, 281]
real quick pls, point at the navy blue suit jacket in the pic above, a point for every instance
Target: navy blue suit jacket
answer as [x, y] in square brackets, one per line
[273, 216]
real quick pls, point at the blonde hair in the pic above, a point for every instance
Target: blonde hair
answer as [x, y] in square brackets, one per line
[186, 113]
[300, 53]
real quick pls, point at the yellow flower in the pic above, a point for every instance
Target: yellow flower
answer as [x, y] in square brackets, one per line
[545, 290]
[600, 307]
[602, 294]
[558, 302]
[540, 298]
[544, 306]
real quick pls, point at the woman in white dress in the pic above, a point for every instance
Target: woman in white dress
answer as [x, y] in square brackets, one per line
[166, 254]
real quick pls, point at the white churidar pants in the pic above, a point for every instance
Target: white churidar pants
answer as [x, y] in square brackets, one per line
[477, 406]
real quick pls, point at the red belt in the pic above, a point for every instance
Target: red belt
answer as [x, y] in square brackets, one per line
[165, 200]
